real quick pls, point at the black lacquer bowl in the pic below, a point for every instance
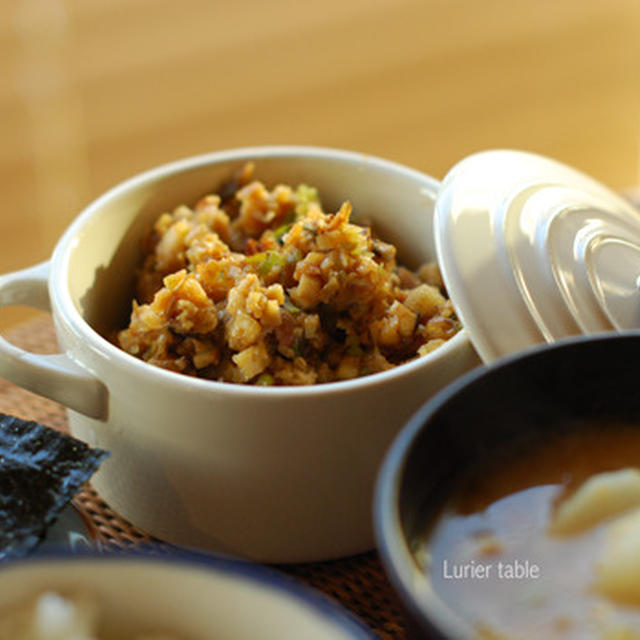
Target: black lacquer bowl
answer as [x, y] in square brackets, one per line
[528, 396]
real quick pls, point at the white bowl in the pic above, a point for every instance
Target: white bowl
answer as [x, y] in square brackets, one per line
[275, 474]
[191, 598]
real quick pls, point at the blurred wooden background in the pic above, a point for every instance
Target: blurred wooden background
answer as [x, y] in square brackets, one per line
[93, 91]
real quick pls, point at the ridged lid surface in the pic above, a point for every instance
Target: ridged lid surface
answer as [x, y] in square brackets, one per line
[532, 250]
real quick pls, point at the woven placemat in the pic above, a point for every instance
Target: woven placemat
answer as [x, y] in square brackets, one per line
[358, 583]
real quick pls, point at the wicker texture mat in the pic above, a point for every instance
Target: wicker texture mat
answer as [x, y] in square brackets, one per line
[358, 583]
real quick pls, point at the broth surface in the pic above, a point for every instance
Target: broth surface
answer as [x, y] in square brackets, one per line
[491, 558]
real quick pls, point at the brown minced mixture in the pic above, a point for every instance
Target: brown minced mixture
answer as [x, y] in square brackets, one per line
[264, 287]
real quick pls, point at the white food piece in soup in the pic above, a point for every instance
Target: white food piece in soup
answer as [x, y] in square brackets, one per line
[601, 497]
[618, 572]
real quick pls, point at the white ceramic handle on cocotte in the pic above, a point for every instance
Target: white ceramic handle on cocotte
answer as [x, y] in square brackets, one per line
[56, 376]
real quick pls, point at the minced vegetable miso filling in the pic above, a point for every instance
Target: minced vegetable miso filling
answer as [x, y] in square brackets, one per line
[264, 287]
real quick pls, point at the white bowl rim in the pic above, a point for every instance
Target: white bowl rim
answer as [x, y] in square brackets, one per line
[62, 302]
[287, 586]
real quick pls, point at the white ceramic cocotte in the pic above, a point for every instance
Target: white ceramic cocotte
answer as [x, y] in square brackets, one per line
[274, 474]
[531, 251]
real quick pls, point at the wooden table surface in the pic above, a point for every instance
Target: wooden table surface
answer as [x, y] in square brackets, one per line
[94, 91]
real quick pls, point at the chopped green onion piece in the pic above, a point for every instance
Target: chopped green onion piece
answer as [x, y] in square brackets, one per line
[280, 232]
[266, 262]
[305, 195]
[290, 307]
[256, 258]
[265, 380]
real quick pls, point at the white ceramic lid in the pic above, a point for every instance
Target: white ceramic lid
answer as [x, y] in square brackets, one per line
[532, 250]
